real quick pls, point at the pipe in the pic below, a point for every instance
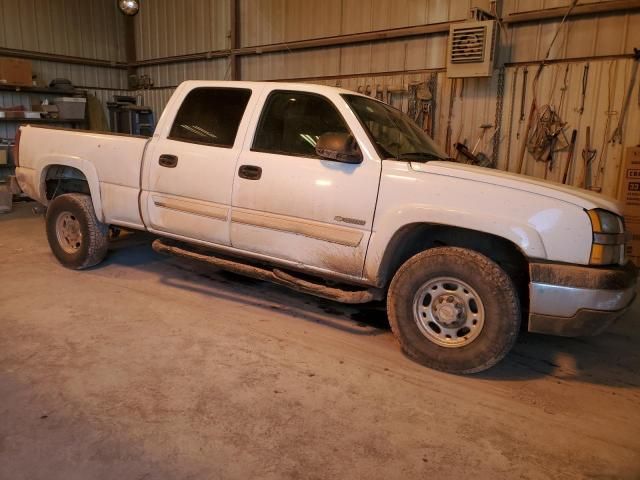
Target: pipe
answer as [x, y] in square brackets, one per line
[234, 39]
[337, 40]
[610, 6]
[593, 58]
[55, 57]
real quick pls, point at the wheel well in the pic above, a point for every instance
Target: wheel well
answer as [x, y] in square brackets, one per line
[61, 179]
[415, 238]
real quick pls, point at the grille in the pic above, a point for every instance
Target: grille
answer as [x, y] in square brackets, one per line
[467, 45]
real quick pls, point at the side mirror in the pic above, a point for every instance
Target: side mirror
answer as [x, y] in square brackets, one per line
[341, 147]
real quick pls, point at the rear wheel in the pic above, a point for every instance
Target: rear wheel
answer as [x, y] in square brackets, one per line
[76, 237]
[454, 310]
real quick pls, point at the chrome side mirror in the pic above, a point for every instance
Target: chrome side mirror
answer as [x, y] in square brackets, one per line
[341, 147]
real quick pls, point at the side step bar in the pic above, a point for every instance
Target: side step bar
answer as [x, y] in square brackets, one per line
[274, 275]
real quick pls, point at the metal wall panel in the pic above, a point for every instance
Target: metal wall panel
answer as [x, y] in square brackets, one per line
[518, 6]
[580, 37]
[275, 21]
[170, 75]
[82, 28]
[80, 75]
[166, 28]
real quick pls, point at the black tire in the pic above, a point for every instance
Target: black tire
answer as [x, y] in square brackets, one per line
[498, 299]
[93, 241]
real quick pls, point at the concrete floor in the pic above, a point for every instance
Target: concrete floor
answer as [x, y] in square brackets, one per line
[149, 367]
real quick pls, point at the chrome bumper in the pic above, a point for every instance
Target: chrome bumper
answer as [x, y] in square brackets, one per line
[572, 300]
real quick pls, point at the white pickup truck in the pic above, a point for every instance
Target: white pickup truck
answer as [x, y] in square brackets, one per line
[339, 195]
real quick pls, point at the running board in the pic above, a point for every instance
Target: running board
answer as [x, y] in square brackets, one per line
[274, 275]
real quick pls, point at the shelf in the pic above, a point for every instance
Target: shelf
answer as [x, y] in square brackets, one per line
[43, 90]
[41, 120]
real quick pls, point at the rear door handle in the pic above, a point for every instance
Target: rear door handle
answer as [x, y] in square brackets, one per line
[168, 161]
[250, 172]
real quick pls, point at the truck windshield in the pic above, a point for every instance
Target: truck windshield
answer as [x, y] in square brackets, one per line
[394, 134]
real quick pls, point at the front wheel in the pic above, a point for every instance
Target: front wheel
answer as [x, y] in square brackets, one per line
[454, 310]
[76, 237]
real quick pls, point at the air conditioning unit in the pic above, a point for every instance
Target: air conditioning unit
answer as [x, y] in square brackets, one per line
[471, 49]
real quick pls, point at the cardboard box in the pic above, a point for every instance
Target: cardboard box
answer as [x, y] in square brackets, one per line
[630, 196]
[15, 71]
[71, 108]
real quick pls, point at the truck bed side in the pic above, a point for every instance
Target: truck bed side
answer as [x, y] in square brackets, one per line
[111, 164]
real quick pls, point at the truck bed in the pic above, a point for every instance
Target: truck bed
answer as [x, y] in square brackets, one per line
[111, 164]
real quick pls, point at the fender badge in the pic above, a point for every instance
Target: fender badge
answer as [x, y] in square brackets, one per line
[353, 221]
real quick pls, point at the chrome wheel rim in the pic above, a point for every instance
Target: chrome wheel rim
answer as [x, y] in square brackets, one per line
[448, 312]
[68, 232]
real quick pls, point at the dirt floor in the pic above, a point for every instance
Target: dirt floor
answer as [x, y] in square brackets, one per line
[149, 367]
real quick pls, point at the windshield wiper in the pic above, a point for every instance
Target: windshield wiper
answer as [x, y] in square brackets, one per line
[418, 156]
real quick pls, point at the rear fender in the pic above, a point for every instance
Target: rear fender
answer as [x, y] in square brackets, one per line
[84, 166]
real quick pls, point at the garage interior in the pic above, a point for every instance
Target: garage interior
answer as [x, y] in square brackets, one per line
[157, 367]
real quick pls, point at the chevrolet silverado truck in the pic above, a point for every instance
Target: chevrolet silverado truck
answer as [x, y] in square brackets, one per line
[336, 194]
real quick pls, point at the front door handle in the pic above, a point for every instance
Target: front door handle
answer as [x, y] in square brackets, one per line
[168, 161]
[250, 172]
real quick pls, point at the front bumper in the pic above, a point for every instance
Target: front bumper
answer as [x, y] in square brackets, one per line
[572, 300]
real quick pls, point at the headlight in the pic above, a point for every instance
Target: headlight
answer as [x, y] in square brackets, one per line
[608, 246]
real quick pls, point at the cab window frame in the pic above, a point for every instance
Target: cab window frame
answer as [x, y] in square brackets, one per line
[264, 111]
[171, 135]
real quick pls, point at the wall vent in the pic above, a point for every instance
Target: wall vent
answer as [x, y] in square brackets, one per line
[471, 49]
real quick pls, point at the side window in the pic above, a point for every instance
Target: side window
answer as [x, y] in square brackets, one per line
[210, 116]
[291, 123]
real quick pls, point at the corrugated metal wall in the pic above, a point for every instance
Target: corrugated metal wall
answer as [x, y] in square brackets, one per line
[92, 29]
[165, 28]
[398, 63]
[80, 28]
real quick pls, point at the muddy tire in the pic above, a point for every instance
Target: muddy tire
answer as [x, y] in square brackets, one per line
[454, 310]
[76, 237]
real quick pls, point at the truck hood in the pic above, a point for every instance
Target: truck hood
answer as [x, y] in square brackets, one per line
[576, 196]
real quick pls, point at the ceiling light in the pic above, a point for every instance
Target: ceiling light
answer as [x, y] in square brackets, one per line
[129, 7]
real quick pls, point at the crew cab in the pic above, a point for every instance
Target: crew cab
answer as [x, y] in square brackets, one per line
[339, 195]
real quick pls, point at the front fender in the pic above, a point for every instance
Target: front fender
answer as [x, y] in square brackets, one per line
[392, 221]
[84, 166]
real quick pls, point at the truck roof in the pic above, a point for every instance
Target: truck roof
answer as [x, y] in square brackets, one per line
[310, 87]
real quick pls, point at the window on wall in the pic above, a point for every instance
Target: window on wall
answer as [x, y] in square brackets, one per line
[291, 123]
[210, 116]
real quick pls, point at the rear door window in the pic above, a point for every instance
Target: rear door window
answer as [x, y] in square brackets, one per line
[210, 116]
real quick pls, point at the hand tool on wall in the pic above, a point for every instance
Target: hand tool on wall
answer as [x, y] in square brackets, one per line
[617, 132]
[563, 90]
[496, 140]
[610, 113]
[532, 111]
[379, 92]
[588, 155]
[452, 96]
[484, 127]
[572, 147]
[525, 75]
[480, 159]
[547, 133]
[511, 110]
[553, 141]
[585, 79]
